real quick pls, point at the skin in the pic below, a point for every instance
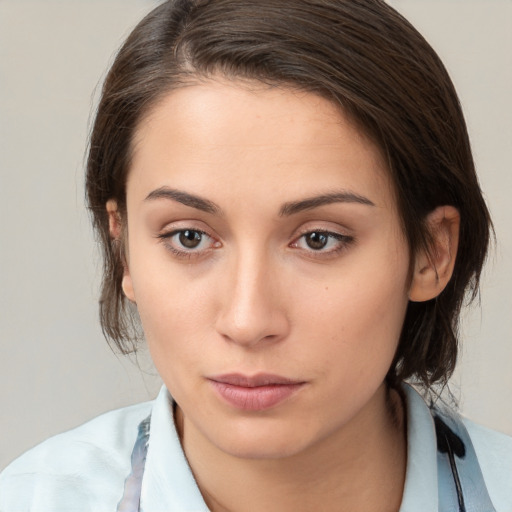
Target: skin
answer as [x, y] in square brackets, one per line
[257, 295]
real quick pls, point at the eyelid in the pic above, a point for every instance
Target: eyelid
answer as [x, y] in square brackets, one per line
[329, 232]
[184, 224]
[344, 240]
[329, 228]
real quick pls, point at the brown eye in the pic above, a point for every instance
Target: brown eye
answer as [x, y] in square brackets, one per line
[323, 243]
[316, 240]
[190, 239]
[188, 243]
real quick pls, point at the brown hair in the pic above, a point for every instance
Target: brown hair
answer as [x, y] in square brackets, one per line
[361, 55]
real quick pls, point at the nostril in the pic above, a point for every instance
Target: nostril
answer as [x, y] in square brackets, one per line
[253, 329]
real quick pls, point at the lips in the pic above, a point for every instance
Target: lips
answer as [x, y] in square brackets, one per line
[254, 393]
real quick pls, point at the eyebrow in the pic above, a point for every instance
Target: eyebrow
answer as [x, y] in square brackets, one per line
[199, 203]
[324, 199]
[286, 210]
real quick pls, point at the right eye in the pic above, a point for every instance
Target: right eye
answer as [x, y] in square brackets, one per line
[189, 238]
[188, 242]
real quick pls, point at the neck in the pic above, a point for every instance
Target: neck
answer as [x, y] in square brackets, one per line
[359, 468]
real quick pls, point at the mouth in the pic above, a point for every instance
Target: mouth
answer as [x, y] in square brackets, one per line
[254, 393]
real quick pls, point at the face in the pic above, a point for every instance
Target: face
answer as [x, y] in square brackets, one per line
[267, 262]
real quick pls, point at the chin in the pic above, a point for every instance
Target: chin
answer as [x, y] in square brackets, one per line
[266, 443]
[256, 451]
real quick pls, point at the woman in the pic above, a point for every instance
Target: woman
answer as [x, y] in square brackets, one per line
[286, 197]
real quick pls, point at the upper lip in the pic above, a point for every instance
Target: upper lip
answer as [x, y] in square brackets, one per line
[260, 379]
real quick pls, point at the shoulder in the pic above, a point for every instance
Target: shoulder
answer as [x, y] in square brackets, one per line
[82, 469]
[494, 452]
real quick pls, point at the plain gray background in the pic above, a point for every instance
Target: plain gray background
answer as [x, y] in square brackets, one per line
[56, 371]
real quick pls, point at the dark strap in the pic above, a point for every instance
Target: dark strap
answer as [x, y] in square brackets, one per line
[461, 483]
[130, 502]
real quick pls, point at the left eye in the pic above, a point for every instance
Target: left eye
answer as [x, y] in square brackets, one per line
[321, 241]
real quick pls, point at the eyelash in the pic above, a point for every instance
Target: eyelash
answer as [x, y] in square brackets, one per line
[343, 242]
[166, 239]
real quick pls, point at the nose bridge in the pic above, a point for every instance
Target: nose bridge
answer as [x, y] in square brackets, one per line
[250, 310]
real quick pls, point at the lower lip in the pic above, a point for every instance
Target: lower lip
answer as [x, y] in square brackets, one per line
[256, 398]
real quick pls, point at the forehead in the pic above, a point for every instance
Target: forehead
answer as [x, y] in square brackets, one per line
[245, 134]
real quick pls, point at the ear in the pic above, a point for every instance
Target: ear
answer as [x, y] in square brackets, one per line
[115, 224]
[433, 269]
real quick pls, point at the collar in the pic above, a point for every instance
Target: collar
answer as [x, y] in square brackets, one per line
[420, 490]
[169, 484]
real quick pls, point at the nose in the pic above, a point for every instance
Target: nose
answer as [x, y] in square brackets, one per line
[253, 309]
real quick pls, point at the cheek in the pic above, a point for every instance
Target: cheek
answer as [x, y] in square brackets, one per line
[174, 323]
[359, 315]
[173, 307]
[169, 313]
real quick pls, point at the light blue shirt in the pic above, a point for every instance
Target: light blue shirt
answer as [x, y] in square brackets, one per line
[85, 469]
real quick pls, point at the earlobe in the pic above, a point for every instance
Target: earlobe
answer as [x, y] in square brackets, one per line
[433, 269]
[127, 285]
[115, 225]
